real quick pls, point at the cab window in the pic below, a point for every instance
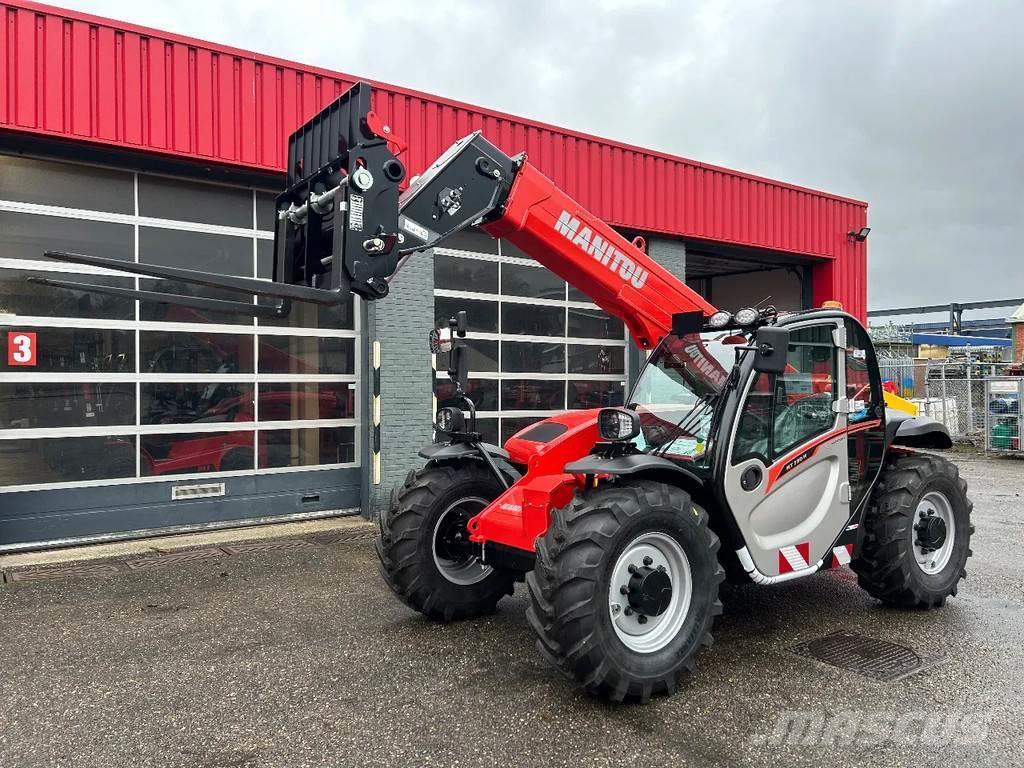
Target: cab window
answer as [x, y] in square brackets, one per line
[863, 385]
[782, 411]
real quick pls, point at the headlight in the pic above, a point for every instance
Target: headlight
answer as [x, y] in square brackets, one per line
[747, 316]
[719, 320]
[617, 424]
[449, 420]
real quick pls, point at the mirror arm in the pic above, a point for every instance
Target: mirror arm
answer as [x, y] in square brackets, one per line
[472, 412]
[752, 348]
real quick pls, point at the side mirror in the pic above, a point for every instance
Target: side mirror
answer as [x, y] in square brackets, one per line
[458, 361]
[771, 348]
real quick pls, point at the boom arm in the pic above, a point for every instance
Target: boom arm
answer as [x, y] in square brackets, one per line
[342, 226]
[475, 182]
[546, 223]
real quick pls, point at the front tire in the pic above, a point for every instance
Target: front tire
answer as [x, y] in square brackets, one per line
[422, 543]
[917, 533]
[592, 567]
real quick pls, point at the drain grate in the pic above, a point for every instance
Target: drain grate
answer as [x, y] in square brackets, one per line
[53, 573]
[333, 539]
[265, 546]
[877, 659]
[172, 558]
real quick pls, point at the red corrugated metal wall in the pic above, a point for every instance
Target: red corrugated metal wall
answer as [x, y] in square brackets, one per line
[69, 75]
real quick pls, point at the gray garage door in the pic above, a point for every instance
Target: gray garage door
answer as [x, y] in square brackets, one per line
[539, 345]
[117, 417]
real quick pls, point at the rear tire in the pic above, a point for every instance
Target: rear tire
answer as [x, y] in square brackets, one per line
[891, 564]
[575, 589]
[418, 559]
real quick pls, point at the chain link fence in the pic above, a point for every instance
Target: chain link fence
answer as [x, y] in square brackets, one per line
[950, 391]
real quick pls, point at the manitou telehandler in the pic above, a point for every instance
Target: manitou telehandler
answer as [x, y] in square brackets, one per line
[755, 445]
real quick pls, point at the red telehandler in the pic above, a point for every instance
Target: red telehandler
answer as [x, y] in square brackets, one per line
[755, 445]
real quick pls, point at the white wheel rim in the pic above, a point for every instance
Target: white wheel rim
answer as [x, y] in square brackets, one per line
[657, 631]
[468, 571]
[934, 504]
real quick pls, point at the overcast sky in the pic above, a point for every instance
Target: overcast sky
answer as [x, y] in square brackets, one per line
[915, 107]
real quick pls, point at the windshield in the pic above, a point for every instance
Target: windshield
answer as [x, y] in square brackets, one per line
[676, 393]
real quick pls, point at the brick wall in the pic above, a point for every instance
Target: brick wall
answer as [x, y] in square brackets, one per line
[1018, 342]
[671, 254]
[401, 323]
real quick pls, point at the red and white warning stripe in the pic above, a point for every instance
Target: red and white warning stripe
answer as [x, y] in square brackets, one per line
[786, 571]
[795, 557]
[841, 555]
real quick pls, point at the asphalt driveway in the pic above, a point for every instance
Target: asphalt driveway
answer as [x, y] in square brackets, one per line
[294, 653]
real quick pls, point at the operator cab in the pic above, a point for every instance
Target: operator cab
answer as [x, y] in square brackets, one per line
[678, 393]
[792, 391]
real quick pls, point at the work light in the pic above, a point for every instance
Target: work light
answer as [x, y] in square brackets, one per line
[747, 316]
[449, 420]
[719, 320]
[615, 424]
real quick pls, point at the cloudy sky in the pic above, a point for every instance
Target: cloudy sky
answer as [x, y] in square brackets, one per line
[915, 107]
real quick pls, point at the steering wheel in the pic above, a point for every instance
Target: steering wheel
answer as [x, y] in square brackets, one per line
[816, 408]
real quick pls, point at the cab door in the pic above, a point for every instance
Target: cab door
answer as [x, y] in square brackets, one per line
[787, 479]
[866, 433]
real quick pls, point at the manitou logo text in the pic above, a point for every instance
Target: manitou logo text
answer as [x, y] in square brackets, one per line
[600, 249]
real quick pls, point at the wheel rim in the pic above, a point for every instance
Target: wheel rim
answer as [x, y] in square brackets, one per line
[463, 569]
[649, 553]
[933, 532]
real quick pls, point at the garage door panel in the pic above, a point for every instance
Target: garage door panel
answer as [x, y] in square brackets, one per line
[112, 511]
[122, 403]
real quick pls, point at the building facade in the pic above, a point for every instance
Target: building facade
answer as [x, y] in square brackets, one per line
[118, 418]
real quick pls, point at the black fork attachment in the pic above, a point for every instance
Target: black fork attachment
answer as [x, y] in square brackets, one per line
[337, 221]
[341, 226]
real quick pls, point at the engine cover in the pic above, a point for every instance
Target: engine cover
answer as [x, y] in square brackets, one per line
[523, 512]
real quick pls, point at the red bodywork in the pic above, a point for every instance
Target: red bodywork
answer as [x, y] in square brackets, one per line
[550, 226]
[523, 512]
[619, 277]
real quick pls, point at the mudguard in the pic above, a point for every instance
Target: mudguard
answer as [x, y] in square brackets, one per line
[633, 464]
[446, 451]
[916, 431]
[450, 451]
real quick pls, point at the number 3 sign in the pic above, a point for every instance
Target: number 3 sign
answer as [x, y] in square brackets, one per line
[21, 348]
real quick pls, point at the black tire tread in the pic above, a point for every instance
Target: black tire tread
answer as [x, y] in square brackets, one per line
[398, 547]
[569, 560]
[885, 557]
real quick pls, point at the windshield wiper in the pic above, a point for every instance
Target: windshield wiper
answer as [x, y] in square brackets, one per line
[684, 424]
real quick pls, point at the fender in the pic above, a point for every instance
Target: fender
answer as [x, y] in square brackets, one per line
[447, 451]
[634, 464]
[499, 458]
[916, 431]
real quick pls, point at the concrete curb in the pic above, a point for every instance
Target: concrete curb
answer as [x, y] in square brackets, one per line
[138, 554]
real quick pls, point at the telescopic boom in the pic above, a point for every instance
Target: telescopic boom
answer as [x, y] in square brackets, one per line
[343, 227]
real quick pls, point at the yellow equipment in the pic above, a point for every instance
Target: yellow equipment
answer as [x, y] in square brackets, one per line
[900, 403]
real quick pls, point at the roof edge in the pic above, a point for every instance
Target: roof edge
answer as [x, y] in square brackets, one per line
[117, 24]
